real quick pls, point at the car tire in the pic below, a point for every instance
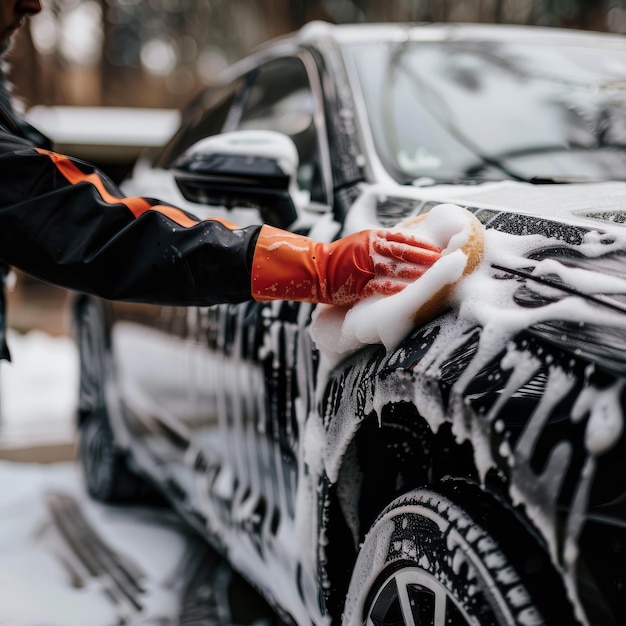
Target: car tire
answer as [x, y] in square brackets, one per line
[107, 476]
[106, 472]
[430, 558]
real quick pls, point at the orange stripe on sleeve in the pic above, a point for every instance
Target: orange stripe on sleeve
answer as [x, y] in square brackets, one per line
[224, 222]
[135, 204]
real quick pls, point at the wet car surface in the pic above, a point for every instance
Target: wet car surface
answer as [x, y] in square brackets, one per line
[472, 472]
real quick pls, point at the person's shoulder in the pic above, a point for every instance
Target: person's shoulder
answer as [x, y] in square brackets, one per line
[11, 139]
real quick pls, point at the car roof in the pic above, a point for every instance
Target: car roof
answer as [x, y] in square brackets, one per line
[316, 32]
[371, 32]
[346, 34]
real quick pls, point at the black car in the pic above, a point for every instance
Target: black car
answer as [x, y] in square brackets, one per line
[471, 472]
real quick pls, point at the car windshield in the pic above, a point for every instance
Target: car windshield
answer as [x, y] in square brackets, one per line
[475, 110]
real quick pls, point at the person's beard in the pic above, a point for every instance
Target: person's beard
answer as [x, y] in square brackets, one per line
[5, 46]
[5, 91]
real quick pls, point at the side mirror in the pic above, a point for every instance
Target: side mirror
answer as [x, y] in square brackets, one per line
[247, 168]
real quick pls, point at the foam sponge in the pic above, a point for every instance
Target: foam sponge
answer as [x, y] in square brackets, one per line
[387, 320]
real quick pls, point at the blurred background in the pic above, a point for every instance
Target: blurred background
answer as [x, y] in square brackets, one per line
[158, 53]
[154, 56]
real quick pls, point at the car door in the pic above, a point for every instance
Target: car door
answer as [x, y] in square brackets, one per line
[251, 375]
[153, 345]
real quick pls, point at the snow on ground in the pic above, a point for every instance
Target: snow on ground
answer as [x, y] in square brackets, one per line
[38, 389]
[39, 583]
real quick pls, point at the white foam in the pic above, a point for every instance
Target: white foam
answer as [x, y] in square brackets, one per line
[387, 320]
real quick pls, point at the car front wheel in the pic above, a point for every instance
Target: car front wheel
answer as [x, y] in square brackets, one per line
[453, 557]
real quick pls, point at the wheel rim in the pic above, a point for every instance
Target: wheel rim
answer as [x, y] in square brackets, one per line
[412, 597]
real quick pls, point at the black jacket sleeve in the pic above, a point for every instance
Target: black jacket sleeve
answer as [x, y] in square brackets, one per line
[65, 222]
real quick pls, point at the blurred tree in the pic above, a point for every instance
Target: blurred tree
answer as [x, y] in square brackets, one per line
[25, 63]
[160, 52]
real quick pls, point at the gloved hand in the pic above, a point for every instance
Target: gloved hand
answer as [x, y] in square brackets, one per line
[287, 266]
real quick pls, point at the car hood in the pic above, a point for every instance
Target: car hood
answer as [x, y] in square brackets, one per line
[549, 246]
[567, 213]
[590, 204]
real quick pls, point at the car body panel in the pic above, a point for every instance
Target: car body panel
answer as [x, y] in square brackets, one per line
[263, 445]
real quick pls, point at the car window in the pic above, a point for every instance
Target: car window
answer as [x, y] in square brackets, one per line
[280, 98]
[204, 117]
[492, 110]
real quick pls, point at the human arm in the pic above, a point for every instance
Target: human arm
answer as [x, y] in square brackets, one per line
[370, 262]
[65, 222]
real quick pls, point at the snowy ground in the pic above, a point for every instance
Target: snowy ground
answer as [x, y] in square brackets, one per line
[43, 582]
[43, 579]
[38, 389]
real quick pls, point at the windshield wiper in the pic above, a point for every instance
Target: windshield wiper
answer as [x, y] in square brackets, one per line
[520, 153]
[562, 180]
[431, 181]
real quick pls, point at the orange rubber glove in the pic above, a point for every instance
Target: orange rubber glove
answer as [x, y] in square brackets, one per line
[287, 266]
